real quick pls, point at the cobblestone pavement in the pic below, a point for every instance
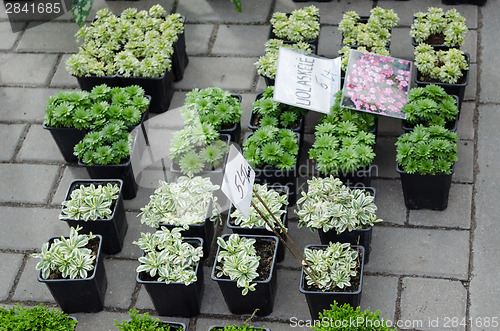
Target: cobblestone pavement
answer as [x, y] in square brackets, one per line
[425, 265]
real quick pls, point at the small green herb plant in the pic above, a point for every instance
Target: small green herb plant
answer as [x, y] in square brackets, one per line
[215, 106]
[272, 147]
[337, 313]
[181, 203]
[427, 150]
[38, 318]
[362, 120]
[331, 206]
[275, 201]
[141, 322]
[301, 25]
[167, 257]
[345, 52]
[430, 105]
[90, 203]
[440, 66]
[274, 113]
[239, 261]
[67, 257]
[333, 266]
[439, 27]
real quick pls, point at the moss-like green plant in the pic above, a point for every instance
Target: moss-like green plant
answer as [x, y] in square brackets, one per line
[440, 66]
[270, 146]
[446, 28]
[301, 25]
[430, 106]
[38, 318]
[142, 322]
[427, 150]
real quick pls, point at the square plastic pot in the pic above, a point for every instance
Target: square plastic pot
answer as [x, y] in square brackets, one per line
[234, 132]
[66, 139]
[160, 89]
[363, 19]
[221, 327]
[451, 126]
[313, 42]
[112, 229]
[88, 83]
[179, 58]
[265, 290]
[80, 295]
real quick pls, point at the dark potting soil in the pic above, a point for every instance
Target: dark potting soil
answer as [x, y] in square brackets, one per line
[93, 245]
[435, 39]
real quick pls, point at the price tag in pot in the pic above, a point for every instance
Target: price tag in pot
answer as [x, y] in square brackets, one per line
[238, 180]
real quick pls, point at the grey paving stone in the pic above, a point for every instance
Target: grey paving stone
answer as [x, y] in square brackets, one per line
[213, 301]
[143, 300]
[29, 228]
[62, 78]
[434, 253]
[433, 303]
[50, 37]
[222, 12]
[489, 52]
[471, 89]
[197, 38]
[289, 302]
[245, 40]
[70, 173]
[7, 37]
[9, 138]
[464, 167]
[401, 46]
[457, 215]
[389, 126]
[121, 283]
[465, 128]
[470, 45]
[23, 178]
[385, 157]
[380, 293]
[99, 321]
[389, 200]
[135, 228]
[11, 264]
[227, 73]
[40, 146]
[24, 104]
[29, 288]
[301, 237]
[329, 42]
[26, 69]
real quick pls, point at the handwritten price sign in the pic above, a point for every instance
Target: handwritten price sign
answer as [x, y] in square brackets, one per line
[238, 180]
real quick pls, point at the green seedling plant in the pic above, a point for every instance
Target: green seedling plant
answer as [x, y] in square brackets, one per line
[331, 206]
[142, 322]
[275, 201]
[38, 318]
[67, 257]
[430, 105]
[244, 327]
[271, 147]
[333, 266]
[182, 203]
[168, 258]
[274, 113]
[427, 150]
[239, 261]
[90, 202]
[301, 25]
[439, 27]
[440, 66]
[362, 120]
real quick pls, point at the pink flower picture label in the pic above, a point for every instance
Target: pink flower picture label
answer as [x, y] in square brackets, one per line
[376, 84]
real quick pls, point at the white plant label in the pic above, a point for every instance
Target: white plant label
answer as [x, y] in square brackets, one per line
[306, 81]
[237, 183]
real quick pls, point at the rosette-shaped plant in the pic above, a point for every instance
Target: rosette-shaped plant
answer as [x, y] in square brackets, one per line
[439, 27]
[301, 25]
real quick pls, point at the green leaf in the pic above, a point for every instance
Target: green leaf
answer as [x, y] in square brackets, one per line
[81, 10]
[237, 5]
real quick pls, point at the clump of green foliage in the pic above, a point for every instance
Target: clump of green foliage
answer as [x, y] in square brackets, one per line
[274, 113]
[214, 105]
[430, 105]
[270, 146]
[243, 327]
[345, 52]
[447, 27]
[427, 150]
[90, 203]
[142, 322]
[337, 313]
[38, 318]
[363, 120]
[91, 110]
[301, 25]
[441, 66]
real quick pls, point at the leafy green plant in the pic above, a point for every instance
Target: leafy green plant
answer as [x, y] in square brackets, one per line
[345, 52]
[333, 266]
[330, 205]
[270, 146]
[182, 203]
[301, 25]
[274, 113]
[141, 322]
[275, 201]
[371, 321]
[430, 105]
[266, 65]
[243, 327]
[80, 9]
[167, 257]
[439, 27]
[440, 66]
[427, 150]
[135, 44]
[38, 318]
[362, 120]
[215, 106]
[239, 261]
[90, 203]
[237, 5]
[67, 257]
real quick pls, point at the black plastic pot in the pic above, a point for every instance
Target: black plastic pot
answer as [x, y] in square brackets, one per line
[269, 81]
[317, 301]
[160, 89]
[452, 126]
[469, 2]
[174, 325]
[363, 19]
[80, 295]
[314, 41]
[425, 191]
[176, 299]
[112, 229]
[180, 59]
[263, 296]
[262, 231]
[234, 132]
[88, 83]
[66, 139]
[435, 46]
[221, 327]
